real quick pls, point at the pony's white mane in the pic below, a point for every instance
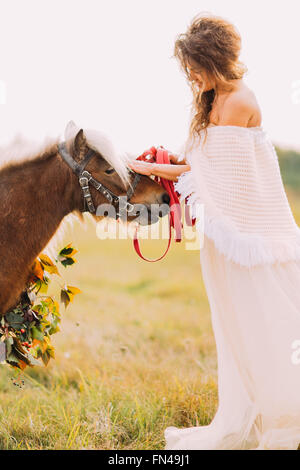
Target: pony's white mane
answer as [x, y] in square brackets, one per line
[21, 149]
[103, 143]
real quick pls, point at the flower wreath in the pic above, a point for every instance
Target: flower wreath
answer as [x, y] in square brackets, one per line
[26, 329]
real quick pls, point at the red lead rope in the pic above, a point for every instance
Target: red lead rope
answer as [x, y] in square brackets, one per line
[160, 155]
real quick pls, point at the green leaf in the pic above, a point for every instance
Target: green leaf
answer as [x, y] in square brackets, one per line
[65, 251]
[46, 357]
[66, 255]
[44, 286]
[9, 342]
[67, 262]
[13, 360]
[64, 298]
[26, 357]
[37, 333]
[54, 326]
[15, 320]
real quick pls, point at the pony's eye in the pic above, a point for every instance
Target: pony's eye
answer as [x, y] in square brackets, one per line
[110, 170]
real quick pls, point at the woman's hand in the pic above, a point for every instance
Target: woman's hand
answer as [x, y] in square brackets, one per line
[148, 168]
[174, 159]
[144, 168]
[167, 171]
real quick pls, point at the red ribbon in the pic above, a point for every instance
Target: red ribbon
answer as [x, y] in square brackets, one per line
[161, 155]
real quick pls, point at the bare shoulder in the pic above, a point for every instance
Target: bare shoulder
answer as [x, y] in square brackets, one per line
[241, 109]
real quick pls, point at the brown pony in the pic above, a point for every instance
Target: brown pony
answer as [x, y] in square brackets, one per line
[38, 192]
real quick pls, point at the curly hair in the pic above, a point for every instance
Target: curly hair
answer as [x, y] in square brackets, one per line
[211, 44]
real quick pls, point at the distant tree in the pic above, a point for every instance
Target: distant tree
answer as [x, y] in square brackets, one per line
[289, 162]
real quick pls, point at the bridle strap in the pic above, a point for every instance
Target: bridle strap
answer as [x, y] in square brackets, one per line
[76, 167]
[85, 178]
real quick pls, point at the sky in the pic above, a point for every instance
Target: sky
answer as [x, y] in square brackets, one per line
[108, 65]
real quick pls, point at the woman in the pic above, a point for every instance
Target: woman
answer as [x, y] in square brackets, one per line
[251, 255]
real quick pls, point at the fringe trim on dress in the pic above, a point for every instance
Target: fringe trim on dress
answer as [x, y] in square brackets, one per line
[244, 249]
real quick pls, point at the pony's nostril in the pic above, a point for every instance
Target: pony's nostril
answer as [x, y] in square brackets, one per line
[166, 198]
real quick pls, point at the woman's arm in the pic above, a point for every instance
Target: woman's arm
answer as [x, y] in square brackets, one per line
[170, 172]
[167, 171]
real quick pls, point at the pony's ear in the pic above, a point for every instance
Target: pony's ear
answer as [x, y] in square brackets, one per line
[80, 145]
[71, 130]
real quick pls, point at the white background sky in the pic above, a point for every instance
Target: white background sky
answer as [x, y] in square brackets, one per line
[107, 65]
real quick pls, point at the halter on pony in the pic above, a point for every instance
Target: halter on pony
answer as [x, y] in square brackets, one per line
[85, 178]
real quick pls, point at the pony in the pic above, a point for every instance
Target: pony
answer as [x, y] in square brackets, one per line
[38, 190]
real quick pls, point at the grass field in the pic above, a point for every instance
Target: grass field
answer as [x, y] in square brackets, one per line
[135, 354]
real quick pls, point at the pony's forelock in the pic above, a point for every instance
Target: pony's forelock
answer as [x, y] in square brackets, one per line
[102, 142]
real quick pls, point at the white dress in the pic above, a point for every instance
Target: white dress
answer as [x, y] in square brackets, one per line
[255, 313]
